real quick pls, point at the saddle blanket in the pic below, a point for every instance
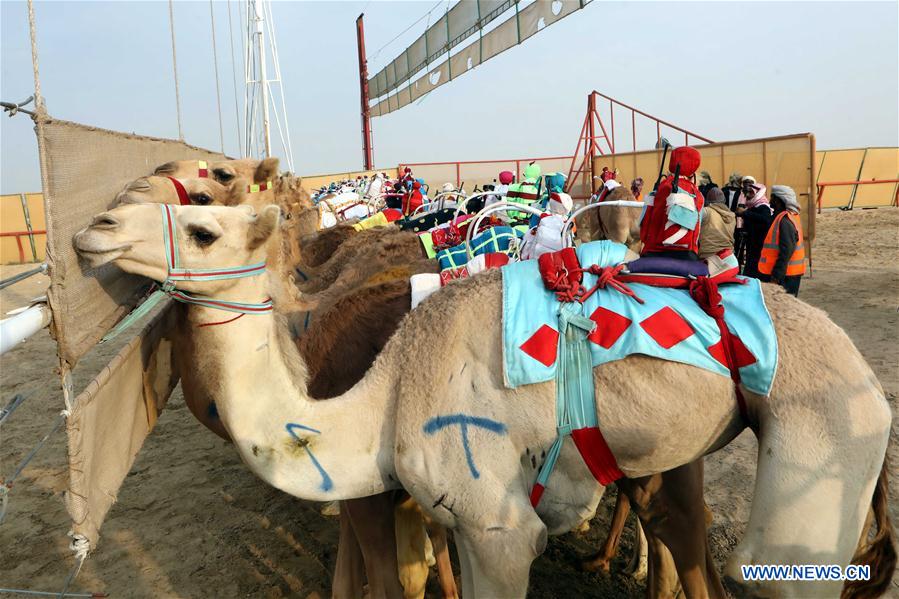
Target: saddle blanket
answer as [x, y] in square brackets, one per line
[669, 325]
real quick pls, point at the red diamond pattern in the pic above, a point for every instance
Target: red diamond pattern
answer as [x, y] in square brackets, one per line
[542, 345]
[609, 327]
[667, 327]
[742, 356]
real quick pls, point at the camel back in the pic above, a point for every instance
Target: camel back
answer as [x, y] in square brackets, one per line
[82, 169]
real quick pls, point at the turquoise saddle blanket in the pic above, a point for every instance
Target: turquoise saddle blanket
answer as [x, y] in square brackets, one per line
[669, 325]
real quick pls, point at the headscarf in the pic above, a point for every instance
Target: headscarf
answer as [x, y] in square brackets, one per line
[758, 198]
[448, 187]
[506, 177]
[786, 195]
[555, 182]
[714, 196]
[705, 177]
[735, 179]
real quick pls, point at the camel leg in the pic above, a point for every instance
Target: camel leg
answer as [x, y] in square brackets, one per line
[349, 572]
[638, 567]
[602, 559]
[410, 545]
[662, 581]
[814, 488]
[444, 565]
[466, 575]
[671, 508]
[373, 522]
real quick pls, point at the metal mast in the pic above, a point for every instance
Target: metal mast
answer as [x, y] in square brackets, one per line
[264, 99]
[368, 161]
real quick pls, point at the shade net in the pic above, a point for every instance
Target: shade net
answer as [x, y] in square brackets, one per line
[459, 41]
[111, 418]
[83, 169]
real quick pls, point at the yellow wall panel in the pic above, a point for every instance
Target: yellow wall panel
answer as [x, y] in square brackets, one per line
[839, 165]
[879, 163]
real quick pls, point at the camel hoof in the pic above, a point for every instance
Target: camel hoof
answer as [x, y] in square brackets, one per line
[597, 563]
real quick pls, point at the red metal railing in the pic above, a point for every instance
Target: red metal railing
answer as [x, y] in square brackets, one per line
[590, 140]
[825, 185]
[19, 235]
[458, 164]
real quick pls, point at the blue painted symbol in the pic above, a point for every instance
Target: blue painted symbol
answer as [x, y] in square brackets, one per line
[439, 422]
[327, 483]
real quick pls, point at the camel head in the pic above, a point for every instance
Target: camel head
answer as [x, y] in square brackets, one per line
[157, 189]
[207, 237]
[224, 171]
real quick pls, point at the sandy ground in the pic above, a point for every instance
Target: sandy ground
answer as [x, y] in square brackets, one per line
[191, 521]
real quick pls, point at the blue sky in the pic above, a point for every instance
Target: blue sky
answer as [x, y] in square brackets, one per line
[727, 70]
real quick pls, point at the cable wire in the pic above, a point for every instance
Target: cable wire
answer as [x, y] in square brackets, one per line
[175, 69]
[215, 63]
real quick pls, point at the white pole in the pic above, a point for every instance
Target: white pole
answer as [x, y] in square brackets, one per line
[263, 81]
[16, 329]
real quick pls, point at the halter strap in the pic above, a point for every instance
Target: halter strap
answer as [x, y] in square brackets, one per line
[176, 273]
[183, 198]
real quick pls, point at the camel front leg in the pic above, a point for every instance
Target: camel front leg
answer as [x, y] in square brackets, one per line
[373, 522]
[349, 572]
[602, 559]
[672, 510]
[441, 554]
[411, 549]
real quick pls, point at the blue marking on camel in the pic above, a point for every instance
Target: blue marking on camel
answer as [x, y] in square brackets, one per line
[327, 483]
[439, 422]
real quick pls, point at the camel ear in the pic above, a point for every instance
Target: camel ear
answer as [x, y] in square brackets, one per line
[237, 192]
[165, 169]
[266, 171]
[264, 225]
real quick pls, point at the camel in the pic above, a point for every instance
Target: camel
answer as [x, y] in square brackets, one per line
[159, 189]
[617, 224]
[223, 171]
[822, 430]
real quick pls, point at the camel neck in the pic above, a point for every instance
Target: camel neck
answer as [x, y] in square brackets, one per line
[338, 448]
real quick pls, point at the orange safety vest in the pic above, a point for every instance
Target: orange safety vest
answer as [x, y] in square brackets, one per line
[796, 263]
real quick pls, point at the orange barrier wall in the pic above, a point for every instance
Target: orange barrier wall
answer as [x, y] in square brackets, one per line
[860, 164]
[786, 160]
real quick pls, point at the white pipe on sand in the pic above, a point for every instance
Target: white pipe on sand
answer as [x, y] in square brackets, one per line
[18, 328]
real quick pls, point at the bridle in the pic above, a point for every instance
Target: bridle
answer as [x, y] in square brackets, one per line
[175, 273]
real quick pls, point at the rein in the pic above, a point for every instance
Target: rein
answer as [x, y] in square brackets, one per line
[177, 273]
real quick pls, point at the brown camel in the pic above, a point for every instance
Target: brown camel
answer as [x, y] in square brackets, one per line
[617, 224]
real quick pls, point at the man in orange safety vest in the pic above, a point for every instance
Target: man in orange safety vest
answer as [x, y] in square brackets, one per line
[783, 253]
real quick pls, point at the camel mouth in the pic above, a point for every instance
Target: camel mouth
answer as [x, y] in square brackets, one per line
[94, 251]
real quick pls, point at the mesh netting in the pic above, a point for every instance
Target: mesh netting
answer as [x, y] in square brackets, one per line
[111, 418]
[84, 167]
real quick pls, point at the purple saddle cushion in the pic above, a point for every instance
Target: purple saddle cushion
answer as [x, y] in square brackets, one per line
[669, 266]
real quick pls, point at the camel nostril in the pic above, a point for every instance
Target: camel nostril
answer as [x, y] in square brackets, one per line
[104, 221]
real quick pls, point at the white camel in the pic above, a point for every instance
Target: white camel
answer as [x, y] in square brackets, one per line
[460, 442]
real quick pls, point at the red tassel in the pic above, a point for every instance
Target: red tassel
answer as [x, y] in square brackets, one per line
[536, 494]
[597, 455]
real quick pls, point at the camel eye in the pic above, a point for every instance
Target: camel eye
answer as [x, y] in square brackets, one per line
[222, 176]
[203, 237]
[202, 199]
